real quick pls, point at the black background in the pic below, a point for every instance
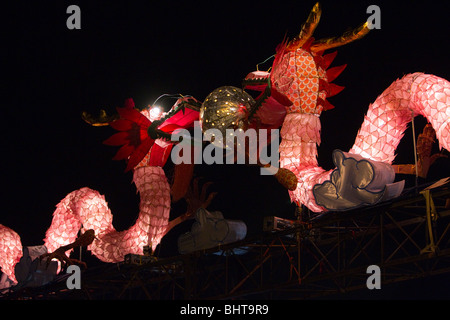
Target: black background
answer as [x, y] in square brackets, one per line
[143, 49]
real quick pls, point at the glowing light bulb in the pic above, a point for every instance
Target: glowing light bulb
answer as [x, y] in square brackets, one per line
[155, 113]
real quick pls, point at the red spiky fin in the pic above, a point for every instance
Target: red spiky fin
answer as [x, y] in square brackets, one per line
[334, 72]
[334, 89]
[139, 153]
[328, 59]
[330, 88]
[325, 104]
[117, 139]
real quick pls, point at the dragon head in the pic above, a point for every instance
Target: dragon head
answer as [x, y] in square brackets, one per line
[300, 68]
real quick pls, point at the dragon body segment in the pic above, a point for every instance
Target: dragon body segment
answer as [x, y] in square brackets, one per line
[88, 208]
[383, 127]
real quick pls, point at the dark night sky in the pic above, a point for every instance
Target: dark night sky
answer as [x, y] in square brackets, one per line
[142, 49]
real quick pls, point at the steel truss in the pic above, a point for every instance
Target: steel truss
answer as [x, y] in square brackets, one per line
[408, 238]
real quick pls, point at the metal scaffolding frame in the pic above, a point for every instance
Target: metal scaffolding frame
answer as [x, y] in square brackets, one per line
[407, 238]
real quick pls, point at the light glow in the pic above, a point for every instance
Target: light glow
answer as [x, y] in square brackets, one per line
[155, 113]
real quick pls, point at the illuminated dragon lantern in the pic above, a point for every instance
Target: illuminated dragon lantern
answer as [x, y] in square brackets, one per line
[363, 176]
[292, 96]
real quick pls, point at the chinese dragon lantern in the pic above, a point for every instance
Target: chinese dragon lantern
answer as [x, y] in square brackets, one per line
[292, 96]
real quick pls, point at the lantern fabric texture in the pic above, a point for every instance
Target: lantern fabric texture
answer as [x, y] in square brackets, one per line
[10, 251]
[387, 118]
[88, 208]
[378, 137]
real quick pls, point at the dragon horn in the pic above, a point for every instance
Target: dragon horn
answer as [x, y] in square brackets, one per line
[102, 120]
[307, 28]
[347, 37]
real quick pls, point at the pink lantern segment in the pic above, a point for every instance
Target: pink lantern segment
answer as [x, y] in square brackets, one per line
[380, 133]
[387, 118]
[10, 251]
[86, 207]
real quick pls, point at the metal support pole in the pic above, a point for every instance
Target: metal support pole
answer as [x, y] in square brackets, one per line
[415, 149]
[431, 216]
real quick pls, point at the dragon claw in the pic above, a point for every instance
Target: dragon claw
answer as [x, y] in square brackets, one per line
[62, 258]
[60, 254]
